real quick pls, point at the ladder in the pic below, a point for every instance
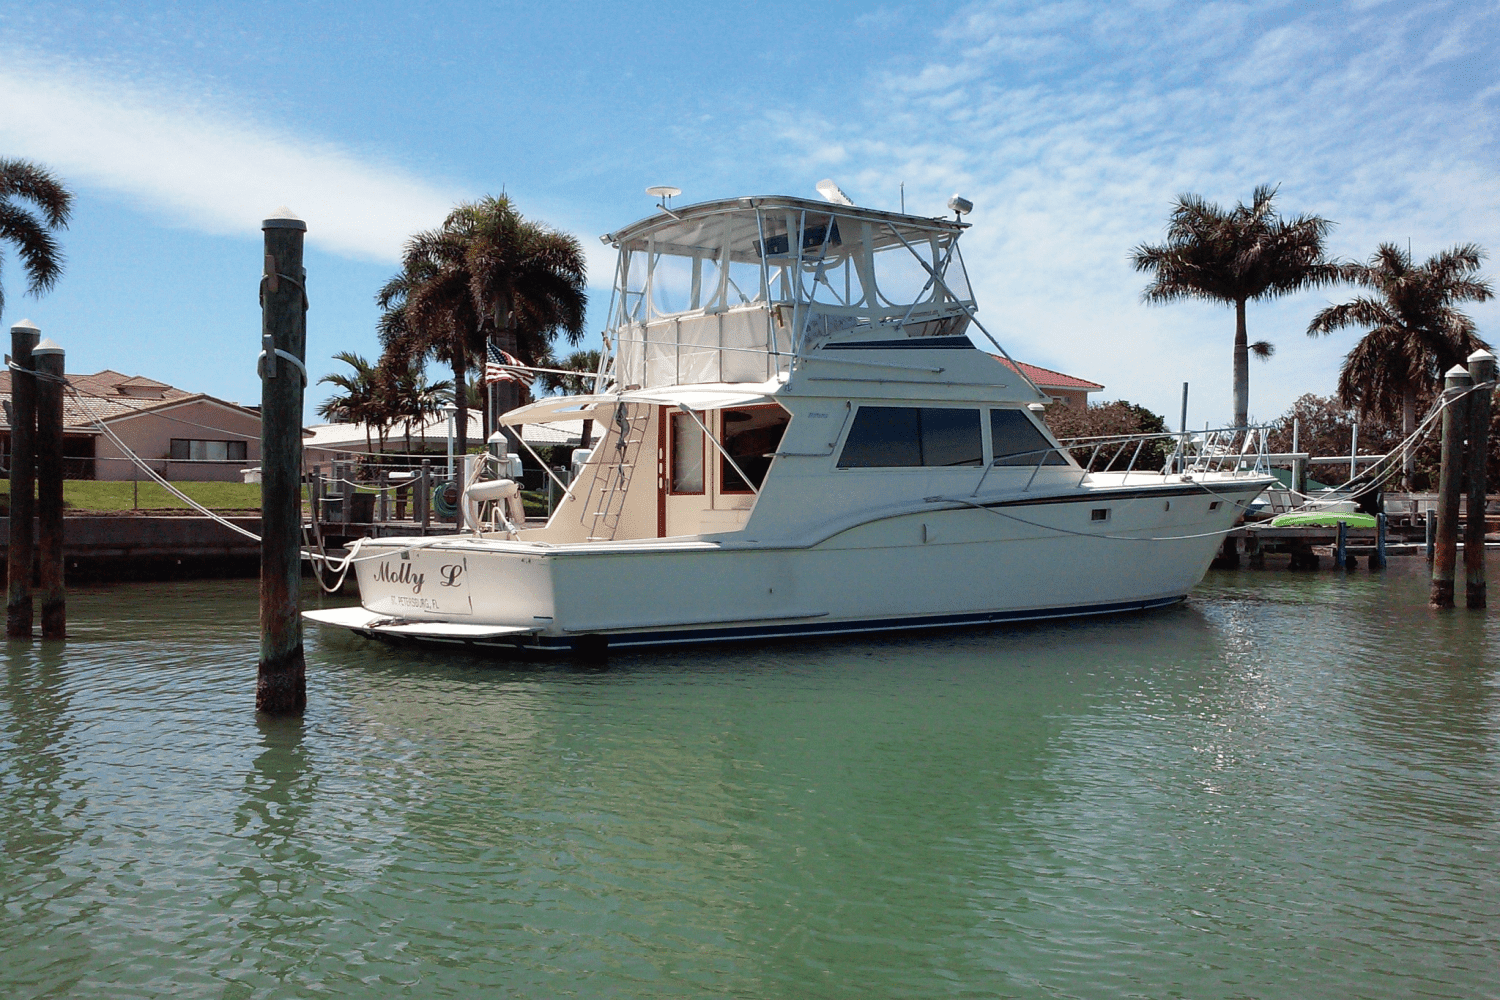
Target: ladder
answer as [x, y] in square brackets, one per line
[602, 517]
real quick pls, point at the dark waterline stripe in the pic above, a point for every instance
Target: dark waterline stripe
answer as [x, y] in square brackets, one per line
[637, 640]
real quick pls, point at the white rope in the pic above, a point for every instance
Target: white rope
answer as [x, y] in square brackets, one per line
[150, 472]
[1379, 470]
[334, 564]
[1082, 534]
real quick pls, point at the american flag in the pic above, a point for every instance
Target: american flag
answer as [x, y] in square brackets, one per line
[500, 367]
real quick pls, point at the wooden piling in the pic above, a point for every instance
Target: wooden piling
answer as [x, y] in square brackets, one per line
[281, 685]
[1481, 370]
[1450, 485]
[1341, 547]
[21, 551]
[48, 360]
[1377, 559]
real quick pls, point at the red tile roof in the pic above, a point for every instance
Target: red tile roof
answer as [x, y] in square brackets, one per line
[1046, 378]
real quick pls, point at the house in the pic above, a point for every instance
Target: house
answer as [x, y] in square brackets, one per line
[1066, 389]
[182, 435]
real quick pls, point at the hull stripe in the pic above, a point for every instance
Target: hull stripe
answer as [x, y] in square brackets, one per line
[696, 636]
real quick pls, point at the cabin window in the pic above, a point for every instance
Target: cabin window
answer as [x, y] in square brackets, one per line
[186, 450]
[1018, 441]
[909, 436]
[1099, 514]
[749, 435]
[687, 454]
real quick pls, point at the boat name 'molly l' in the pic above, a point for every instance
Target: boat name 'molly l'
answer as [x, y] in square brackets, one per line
[403, 575]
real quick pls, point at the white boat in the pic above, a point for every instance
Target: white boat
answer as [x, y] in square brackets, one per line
[803, 430]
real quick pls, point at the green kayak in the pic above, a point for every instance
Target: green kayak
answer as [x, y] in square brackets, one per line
[1322, 519]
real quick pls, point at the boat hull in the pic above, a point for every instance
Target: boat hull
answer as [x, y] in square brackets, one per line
[959, 565]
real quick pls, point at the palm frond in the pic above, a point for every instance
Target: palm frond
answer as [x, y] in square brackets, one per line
[41, 255]
[25, 180]
[1362, 312]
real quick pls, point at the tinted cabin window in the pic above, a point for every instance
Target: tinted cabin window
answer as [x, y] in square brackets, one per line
[750, 436]
[1017, 441]
[910, 436]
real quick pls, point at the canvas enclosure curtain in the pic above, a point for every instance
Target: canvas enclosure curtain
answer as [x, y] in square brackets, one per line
[736, 345]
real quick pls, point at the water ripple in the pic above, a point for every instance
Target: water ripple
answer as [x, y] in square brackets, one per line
[1286, 787]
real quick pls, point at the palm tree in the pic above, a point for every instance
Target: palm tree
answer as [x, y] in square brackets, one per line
[586, 364]
[360, 401]
[41, 257]
[1415, 331]
[528, 283]
[409, 396]
[1246, 254]
[487, 275]
[427, 310]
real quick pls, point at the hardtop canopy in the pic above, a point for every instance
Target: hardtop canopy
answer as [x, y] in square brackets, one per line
[746, 226]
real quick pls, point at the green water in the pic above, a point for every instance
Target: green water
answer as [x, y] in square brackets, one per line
[1288, 787]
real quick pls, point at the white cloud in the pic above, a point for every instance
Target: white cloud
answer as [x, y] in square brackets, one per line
[1074, 158]
[207, 167]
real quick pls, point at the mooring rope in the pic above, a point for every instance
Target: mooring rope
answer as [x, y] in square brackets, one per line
[1387, 464]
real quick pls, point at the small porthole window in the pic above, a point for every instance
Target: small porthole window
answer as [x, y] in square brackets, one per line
[1214, 505]
[1099, 514]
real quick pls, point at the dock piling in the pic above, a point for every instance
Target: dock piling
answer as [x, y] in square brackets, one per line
[281, 684]
[1481, 371]
[21, 551]
[1450, 485]
[1377, 560]
[1341, 547]
[48, 361]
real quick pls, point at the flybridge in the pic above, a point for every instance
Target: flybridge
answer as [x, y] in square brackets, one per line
[734, 290]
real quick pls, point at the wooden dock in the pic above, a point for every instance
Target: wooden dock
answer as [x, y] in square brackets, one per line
[157, 547]
[1313, 547]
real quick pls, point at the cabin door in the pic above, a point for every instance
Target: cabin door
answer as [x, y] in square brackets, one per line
[682, 469]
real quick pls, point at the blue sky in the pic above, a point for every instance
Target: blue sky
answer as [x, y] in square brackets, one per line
[1070, 125]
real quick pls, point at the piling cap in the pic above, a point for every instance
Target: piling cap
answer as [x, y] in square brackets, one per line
[25, 325]
[1458, 373]
[1481, 355]
[284, 218]
[48, 346]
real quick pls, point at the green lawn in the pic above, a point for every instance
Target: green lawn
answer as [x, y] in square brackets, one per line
[84, 494]
[81, 495]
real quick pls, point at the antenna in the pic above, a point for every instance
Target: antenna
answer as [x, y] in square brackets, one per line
[830, 192]
[664, 193]
[903, 197]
